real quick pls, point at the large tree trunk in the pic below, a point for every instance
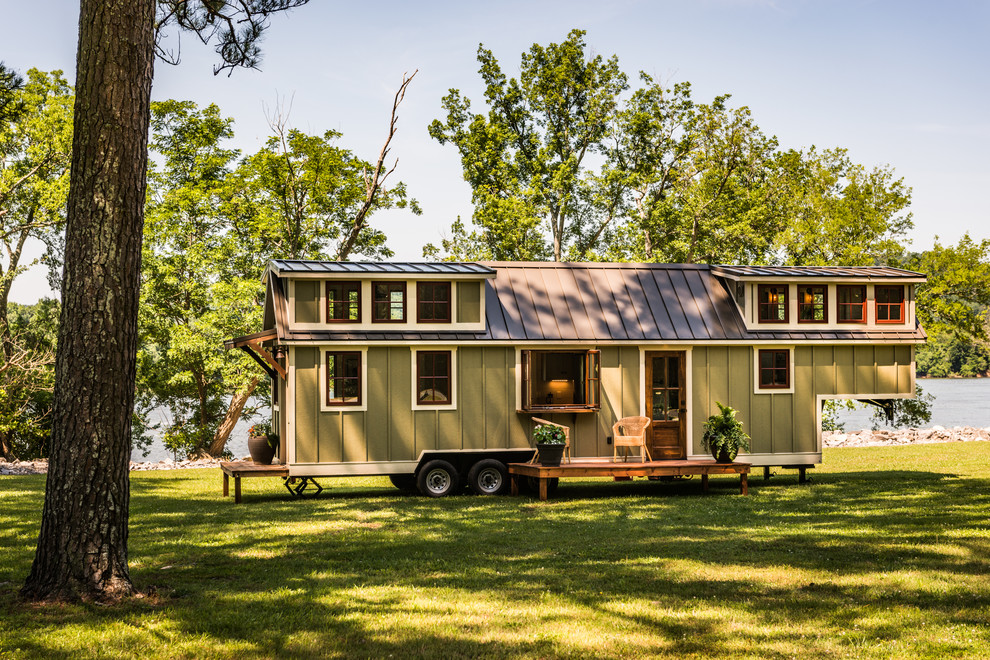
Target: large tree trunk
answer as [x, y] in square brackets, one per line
[82, 547]
[230, 419]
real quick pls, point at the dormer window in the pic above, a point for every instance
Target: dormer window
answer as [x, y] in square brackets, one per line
[343, 302]
[388, 302]
[851, 305]
[433, 302]
[890, 304]
[813, 304]
[772, 303]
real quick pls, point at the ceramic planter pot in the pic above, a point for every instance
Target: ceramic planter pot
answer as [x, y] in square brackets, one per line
[550, 455]
[261, 453]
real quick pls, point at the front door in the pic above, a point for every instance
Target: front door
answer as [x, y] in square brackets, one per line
[666, 404]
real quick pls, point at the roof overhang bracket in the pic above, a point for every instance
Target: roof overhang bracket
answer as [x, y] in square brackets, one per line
[886, 405]
[251, 344]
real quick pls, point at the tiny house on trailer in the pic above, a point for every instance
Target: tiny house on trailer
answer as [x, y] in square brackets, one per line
[400, 369]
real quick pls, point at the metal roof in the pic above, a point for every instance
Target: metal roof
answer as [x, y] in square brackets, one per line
[283, 266]
[599, 302]
[868, 272]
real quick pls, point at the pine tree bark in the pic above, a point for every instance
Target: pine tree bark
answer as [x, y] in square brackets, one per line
[82, 546]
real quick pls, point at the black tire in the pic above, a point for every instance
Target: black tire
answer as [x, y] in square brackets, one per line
[489, 477]
[438, 479]
[403, 481]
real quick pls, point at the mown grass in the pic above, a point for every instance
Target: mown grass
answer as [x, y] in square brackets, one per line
[885, 554]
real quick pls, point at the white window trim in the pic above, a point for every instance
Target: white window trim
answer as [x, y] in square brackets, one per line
[323, 378]
[416, 405]
[756, 370]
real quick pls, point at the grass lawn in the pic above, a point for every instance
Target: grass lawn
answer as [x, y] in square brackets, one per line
[885, 554]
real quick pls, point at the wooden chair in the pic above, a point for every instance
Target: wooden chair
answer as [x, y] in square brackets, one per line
[633, 434]
[567, 439]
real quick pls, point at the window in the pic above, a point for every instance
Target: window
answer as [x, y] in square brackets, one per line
[343, 378]
[388, 302]
[775, 369]
[812, 304]
[561, 380]
[772, 303]
[852, 304]
[890, 304]
[343, 302]
[433, 382]
[433, 302]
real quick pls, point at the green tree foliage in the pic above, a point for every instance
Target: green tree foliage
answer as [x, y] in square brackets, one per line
[194, 291]
[955, 298]
[35, 142]
[213, 222]
[838, 212]
[655, 176]
[299, 197]
[26, 378]
[527, 158]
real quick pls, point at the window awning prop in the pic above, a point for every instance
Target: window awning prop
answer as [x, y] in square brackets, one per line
[251, 344]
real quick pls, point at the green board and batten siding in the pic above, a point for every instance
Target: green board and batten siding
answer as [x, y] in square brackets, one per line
[307, 301]
[484, 418]
[786, 422]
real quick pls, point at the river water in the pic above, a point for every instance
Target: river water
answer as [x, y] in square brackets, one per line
[958, 402]
[237, 443]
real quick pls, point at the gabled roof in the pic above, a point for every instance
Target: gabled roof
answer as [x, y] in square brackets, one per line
[605, 302]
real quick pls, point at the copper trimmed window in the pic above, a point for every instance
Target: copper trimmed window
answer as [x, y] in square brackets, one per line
[344, 378]
[851, 303]
[775, 369]
[433, 381]
[813, 304]
[561, 380]
[890, 304]
[388, 302]
[433, 302]
[343, 302]
[772, 303]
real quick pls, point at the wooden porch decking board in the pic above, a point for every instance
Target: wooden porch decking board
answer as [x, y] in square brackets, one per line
[239, 469]
[663, 468]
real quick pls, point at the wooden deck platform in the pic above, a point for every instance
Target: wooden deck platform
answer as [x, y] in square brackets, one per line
[241, 469]
[661, 468]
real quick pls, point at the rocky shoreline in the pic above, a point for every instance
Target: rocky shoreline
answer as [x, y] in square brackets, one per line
[40, 466]
[883, 437]
[830, 439]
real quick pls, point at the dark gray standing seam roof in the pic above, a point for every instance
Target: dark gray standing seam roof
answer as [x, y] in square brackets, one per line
[872, 272]
[379, 267]
[598, 302]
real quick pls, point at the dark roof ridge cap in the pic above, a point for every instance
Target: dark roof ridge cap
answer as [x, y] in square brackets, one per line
[592, 264]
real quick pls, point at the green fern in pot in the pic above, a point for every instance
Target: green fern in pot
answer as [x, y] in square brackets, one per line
[724, 436]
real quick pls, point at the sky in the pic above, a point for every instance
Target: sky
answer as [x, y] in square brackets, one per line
[899, 83]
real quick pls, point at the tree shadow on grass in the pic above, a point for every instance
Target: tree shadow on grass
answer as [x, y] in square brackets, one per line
[369, 572]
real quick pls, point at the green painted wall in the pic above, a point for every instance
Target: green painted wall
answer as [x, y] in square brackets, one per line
[307, 301]
[786, 423]
[485, 416]
[469, 302]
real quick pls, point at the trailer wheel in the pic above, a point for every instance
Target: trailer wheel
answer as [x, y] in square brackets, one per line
[438, 479]
[403, 481]
[489, 477]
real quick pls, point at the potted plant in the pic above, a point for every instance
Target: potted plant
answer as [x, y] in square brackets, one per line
[724, 436]
[262, 443]
[550, 443]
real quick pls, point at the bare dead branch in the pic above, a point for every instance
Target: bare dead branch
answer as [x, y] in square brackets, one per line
[375, 182]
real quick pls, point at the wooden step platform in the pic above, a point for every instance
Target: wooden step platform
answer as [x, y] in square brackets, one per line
[662, 468]
[240, 469]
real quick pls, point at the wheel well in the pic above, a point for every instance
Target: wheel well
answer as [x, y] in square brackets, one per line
[464, 459]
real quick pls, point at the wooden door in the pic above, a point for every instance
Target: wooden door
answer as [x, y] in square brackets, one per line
[666, 404]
